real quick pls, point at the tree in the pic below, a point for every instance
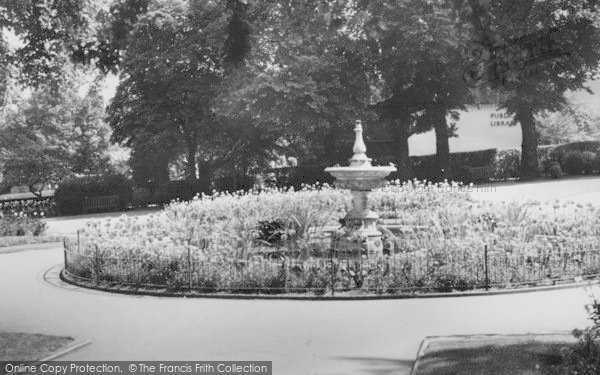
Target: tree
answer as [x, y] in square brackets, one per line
[49, 32]
[411, 53]
[167, 93]
[170, 85]
[300, 83]
[31, 146]
[533, 51]
[50, 135]
[571, 123]
[318, 66]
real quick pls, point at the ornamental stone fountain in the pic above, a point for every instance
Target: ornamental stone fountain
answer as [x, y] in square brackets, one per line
[360, 233]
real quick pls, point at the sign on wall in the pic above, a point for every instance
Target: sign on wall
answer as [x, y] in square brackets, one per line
[479, 128]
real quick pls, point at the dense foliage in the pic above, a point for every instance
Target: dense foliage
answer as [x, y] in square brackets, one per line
[50, 135]
[524, 85]
[49, 32]
[233, 87]
[572, 123]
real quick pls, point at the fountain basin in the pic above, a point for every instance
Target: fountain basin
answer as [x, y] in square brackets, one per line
[362, 178]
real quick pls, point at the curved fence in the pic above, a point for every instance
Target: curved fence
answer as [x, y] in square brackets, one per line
[399, 274]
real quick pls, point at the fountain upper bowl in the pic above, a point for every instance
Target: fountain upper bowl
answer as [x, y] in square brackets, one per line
[360, 172]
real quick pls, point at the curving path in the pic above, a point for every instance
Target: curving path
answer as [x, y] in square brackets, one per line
[300, 337]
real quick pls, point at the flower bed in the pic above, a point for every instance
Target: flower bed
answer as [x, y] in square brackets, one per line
[277, 241]
[19, 224]
[31, 207]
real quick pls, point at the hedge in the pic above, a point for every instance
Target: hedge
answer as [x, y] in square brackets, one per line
[72, 192]
[574, 158]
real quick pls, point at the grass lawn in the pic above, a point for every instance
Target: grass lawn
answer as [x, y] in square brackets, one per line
[30, 347]
[492, 355]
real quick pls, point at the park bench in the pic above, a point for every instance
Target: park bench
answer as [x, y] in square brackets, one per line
[484, 173]
[102, 203]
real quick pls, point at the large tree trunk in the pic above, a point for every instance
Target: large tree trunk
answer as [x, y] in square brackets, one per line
[529, 158]
[160, 171]
[401, 132]
[190, 165]
[442, 145]
[329, 147]
[205, 174]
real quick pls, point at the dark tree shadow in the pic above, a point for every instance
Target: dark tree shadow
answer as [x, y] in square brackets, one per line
[532, 358]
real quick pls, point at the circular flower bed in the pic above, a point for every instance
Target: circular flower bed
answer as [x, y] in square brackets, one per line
[283, 241]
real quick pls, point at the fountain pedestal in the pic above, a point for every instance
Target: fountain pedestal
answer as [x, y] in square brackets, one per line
[360, 236]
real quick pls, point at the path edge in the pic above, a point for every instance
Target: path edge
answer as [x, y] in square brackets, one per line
[71, 348]
[64, 276]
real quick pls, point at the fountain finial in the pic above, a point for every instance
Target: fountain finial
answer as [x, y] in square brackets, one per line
[360, 149]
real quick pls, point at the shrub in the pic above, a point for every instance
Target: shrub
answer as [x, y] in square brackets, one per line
[71, 193]
[507, 164]
[271, 232]
[21, 225]
[448, 283]
[584, 357]
[589, 159]
[578, 162]
[556, 170]
[592, 146]
[546, 155]
[425, 167]
[179, 189]
[31, 207]
[557, 153]
[318, 279]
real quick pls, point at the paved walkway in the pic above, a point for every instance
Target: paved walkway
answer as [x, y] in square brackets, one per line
[300, 337]
[579, 189]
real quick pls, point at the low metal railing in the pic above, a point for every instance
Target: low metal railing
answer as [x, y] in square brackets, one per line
[402, 273]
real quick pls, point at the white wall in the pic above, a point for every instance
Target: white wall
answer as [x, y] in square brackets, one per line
[478, 129]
